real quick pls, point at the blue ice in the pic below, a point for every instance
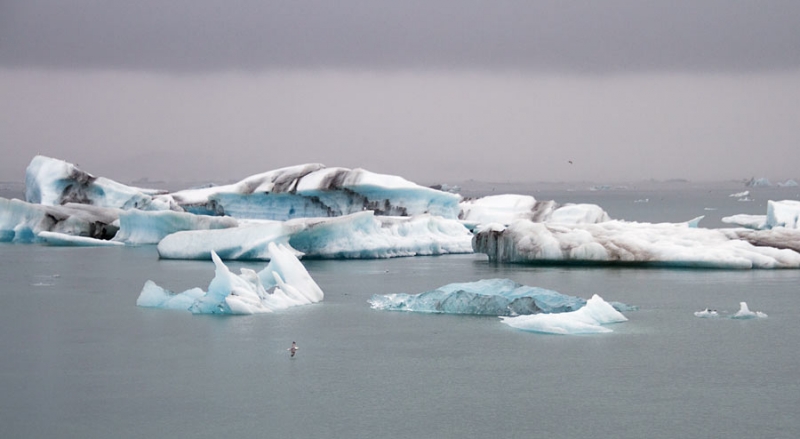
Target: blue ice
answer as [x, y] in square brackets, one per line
[494, 297]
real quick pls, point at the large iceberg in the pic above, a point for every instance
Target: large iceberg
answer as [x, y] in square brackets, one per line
[505, 209]
[620, 242]
[24, 222]
[282, 284]
[359, 235]
[312, 190]
[302, 191]
[587, 320]
[493, 297]
[54, 182]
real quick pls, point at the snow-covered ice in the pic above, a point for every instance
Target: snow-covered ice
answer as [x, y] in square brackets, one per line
[283, 283]
[620, 242]
[494, 297]
[586, 320]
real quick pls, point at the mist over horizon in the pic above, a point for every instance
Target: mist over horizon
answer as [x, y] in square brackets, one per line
[513, 91]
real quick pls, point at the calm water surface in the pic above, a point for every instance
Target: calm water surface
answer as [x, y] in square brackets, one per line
[78, 359]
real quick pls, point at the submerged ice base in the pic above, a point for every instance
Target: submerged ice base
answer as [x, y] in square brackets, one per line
[282, 284]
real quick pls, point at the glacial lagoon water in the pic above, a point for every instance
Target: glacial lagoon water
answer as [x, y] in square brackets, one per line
[78, 359]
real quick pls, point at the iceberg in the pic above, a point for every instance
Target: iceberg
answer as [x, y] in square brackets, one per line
[758, 182]
[312, 190]
[301, 191]
[150, 227]
[788, 183]
[283, 283]
[65, 240]
[586, 320]
[359, 235]
[745, 313]
[54, 182]
[756, 222]
[707, 313]
[505, 209]
[249, 241]
[620, 242]
[487, 297]
[784, 214]
[23, 222]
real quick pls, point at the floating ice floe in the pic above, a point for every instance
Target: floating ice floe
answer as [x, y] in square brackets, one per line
[785, 213]
[586, 320]
[65, 240]
[745, 313]
[282, 284]
[493, 297]
[620, 242]
[756, 222]
[740, 194]
[505, 209]
[360, 235]
[707, 313]
[141, 227]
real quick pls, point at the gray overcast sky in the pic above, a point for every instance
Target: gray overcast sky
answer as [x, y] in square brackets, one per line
[430, 90]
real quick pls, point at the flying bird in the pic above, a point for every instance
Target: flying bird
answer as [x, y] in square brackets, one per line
[292, 350]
